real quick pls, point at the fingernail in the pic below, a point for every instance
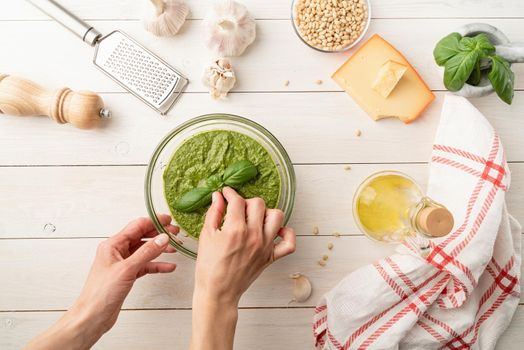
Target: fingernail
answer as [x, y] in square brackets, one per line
[214, 197]
[162, 240]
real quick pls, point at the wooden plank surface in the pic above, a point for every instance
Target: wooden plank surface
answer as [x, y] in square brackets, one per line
[47, 274]
[280, 9]
[46, 202]
[313, 127]
[170, 329]
[63, 59]
[54, 209]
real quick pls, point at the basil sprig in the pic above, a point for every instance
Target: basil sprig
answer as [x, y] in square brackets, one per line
[234, 176]
[463, 59]
[195, 199]
[238, 173]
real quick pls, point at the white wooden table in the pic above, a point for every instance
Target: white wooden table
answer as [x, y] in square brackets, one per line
[62, 190]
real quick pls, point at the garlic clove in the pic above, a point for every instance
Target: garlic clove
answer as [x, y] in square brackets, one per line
[230, 28]
[165, 17]
[225, 84]
[225, 64]
[301, 288]
[219, 77]
[213, 79]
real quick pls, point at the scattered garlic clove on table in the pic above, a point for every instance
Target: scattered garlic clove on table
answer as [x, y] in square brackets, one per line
[230, 28]
[219, 77]
[301, 289]
[165, 17]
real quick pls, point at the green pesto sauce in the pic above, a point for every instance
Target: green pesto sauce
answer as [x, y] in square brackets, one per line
[209, 153]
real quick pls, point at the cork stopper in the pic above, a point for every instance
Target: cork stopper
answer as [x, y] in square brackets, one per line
[435, 221]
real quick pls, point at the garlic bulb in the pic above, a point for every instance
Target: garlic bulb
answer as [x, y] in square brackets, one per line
[230, 29]
[219, 77]
[165, 17]
[301, 289]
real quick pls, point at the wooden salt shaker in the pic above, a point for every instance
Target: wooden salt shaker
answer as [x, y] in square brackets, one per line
[21, 97]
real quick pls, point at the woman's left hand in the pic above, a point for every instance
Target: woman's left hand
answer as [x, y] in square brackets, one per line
[120, 260]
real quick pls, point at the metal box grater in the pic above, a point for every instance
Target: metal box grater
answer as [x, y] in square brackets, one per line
[131, 65]
[139, 71]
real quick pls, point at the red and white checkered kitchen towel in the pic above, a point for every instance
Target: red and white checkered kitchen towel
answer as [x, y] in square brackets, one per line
[464, 293]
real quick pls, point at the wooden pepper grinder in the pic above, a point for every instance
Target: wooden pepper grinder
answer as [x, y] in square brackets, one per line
[21, 97]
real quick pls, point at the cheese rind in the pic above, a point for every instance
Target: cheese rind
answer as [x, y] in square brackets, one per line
[388, 77]
[356, 76]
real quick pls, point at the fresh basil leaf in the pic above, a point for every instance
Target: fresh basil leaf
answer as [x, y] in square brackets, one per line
[485, 45]
[467, 43]
[239, 173]
[446, 48]
[479, 43]
[458, 69]
[214, 182]
[235, 175]
[502, 78]
[195, 199]
[474, 78]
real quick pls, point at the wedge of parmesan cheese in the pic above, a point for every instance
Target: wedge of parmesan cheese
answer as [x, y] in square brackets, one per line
[407, 98]
[388, 77]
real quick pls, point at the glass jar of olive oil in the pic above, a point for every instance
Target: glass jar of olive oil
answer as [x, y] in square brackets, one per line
[390, 207]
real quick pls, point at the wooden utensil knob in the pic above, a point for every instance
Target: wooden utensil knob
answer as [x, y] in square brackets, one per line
[21, 97]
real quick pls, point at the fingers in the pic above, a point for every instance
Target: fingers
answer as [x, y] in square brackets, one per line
[236, 206]
[169, 228]
[148, 251]
[255, 213]
[287, 245]
[273, 223]
[134, 245]
[172, 229]
[157, 267]
[133, 248]
[215, 212]
[141, 227]
[169, 249]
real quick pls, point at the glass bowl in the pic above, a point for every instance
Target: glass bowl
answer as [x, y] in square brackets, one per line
[345, 48]
[154, 182]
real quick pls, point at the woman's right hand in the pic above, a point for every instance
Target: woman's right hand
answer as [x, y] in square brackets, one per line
[230, 258]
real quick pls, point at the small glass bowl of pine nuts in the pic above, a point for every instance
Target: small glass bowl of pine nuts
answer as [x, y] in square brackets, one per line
[331, 25]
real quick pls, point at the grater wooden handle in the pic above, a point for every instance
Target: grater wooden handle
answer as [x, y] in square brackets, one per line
[21, 97]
